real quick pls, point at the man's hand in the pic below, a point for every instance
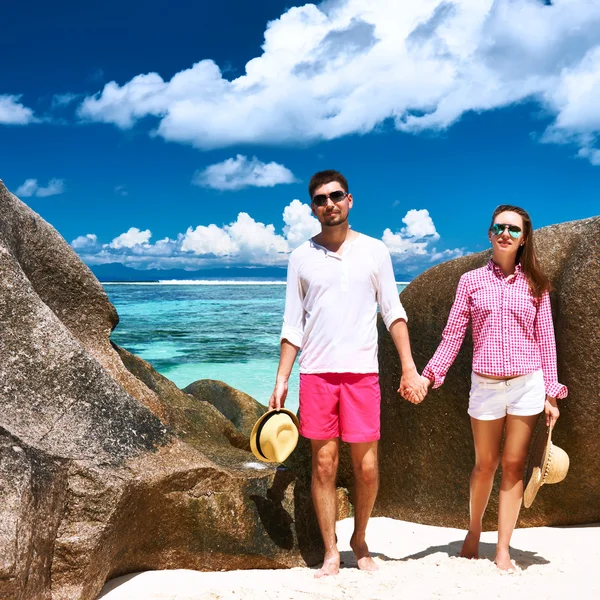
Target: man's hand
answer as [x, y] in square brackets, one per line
[287, 357]
[551, 410]
[279, 395]
[413, 386]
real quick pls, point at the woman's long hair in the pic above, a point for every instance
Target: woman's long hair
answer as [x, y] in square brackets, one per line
[526, 256]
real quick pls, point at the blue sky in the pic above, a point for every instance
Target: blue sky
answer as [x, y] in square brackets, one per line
[183, 134]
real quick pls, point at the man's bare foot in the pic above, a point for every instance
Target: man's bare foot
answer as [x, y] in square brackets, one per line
[504, 563]
[331, 565]
[470, 547]
[364, 560]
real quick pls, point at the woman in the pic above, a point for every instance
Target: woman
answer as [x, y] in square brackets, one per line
[514, 368]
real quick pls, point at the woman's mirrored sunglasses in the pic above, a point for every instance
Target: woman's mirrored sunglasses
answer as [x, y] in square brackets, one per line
[499, 228]
[321, 199]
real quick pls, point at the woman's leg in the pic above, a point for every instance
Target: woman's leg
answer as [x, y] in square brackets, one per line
[487, 436]
[518, 435]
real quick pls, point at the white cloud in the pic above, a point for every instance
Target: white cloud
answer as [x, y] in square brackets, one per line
[399, 245]
[577, 105]
[300, 225]
[243, 241]
[208, 240]
[414, 239]
[346, 66]
[240, 172]
[13, 112]
[54, 187]
[592, 154]
[121, 190]
[85, 242]
[27, 189]
[63, 100]
[412, 245]
[31, 188]
[256, 240]
[250, 241]
[246, 241]
[132, 237]
[419, 224]
[446, 254]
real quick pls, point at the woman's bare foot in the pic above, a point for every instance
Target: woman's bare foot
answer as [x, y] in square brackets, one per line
[331, 565]
[470, 547]
[364, 560]
[504, 563]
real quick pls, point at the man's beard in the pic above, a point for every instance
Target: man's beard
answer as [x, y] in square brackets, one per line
[336, 222]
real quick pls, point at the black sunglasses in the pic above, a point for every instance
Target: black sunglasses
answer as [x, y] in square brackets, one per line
[499, 228]
[321, 199]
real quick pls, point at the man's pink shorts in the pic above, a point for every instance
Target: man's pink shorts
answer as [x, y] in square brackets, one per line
[342, 405]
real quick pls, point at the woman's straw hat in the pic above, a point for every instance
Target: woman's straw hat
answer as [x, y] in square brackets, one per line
[547, 464]
[274, 436]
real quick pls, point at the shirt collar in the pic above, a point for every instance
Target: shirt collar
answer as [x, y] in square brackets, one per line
[496, 270]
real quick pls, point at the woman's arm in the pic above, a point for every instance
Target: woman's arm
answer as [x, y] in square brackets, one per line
[452, 336]
[543, 330]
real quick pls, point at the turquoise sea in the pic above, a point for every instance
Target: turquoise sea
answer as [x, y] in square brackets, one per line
[206, 330]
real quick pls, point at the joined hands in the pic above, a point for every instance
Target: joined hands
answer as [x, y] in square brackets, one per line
[413, 387]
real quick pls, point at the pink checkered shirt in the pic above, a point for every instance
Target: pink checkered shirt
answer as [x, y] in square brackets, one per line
[513, 332]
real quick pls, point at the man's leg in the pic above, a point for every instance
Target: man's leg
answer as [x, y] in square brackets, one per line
[324, 471]
[366, 475]
[487, 437]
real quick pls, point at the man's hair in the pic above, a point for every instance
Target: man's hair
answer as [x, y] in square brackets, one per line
[325, 177]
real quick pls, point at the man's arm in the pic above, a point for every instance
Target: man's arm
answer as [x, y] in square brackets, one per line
[291, 336]
[412, 385]
[287, 356]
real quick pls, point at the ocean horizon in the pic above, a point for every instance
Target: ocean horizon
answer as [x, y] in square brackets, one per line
[227, 330]
[209, 282]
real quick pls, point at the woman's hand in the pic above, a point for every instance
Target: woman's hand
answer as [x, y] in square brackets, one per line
[551, 410]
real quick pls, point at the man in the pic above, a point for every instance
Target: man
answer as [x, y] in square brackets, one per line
[335, 281]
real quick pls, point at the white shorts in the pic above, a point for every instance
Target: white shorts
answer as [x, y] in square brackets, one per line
[495, 398]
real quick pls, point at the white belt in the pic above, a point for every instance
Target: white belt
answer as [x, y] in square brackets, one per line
[501, 383]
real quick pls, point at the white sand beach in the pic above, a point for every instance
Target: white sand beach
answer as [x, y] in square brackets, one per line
[416, 561]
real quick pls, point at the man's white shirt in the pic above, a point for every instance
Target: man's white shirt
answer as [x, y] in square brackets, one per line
[331, 305]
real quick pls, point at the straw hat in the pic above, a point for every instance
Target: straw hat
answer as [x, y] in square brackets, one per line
[274, 436]
[547, 464]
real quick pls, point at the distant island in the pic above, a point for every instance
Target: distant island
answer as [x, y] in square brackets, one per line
[117, 272]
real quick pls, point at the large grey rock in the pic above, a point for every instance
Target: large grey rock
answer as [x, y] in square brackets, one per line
[194, 420]
[427, 450]
[242, 410]
[105, 466]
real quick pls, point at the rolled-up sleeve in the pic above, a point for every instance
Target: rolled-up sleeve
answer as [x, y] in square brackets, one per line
[388, 298]
[544, 334]
[293, 317]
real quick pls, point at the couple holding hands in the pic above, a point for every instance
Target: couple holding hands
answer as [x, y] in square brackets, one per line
[335, 282]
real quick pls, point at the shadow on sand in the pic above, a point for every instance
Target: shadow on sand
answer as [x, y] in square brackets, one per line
[113, 584]
[348, 560]
[523, 558]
